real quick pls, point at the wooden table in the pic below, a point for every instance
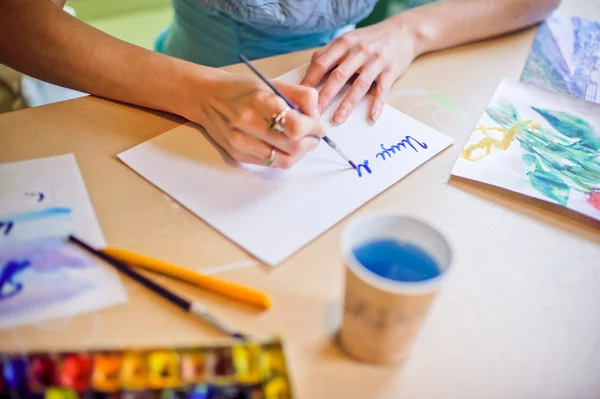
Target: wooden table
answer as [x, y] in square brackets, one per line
[518, 318]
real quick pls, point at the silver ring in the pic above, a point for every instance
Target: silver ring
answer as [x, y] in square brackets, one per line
[269, 161]
[278, 121]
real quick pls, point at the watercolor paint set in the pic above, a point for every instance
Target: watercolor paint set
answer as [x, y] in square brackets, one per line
[240, 370]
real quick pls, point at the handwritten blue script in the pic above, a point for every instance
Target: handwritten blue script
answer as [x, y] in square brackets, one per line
[408, 142]
[361, 166]
[397, 148]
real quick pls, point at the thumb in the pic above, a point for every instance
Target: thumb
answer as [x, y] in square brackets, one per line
[303, 97]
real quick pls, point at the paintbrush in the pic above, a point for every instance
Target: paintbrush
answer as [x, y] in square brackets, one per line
[195, 308]
[329, 142]
[235, 291]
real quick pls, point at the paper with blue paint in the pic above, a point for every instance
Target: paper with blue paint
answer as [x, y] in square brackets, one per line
[41, 276]
[272, 213]
[565, 57]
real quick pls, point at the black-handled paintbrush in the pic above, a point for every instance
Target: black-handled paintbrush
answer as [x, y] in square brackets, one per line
[195, 308]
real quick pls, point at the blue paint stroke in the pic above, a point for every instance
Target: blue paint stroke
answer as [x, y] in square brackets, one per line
[7, 226]
[40, 195]
[45, 213]
[365, 166]
[407, 141]
[9, 271]
[35, 273]
[8, 222]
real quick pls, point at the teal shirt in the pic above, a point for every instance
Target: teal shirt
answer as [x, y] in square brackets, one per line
[214, 32]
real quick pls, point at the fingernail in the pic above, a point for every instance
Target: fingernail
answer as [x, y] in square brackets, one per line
[339, 116]
[371, 118]
[375, 116]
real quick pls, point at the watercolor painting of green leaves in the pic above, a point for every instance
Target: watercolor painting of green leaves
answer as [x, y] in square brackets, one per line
[539, 143]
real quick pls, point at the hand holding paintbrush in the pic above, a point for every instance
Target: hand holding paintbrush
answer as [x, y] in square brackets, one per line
[327, 140]
[253, 124]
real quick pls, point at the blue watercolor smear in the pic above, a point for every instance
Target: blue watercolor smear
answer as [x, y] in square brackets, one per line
[7, 223]
[407, 141]
[35, 273]
[9, 271]
[34, 215]
[365, 166]
[396, 261]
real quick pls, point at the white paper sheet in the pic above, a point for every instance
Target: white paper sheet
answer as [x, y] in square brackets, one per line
[553, 147]
[273, 213]
[41, 276]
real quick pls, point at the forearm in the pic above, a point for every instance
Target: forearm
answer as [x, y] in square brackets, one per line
[39, 39]
[454, 22]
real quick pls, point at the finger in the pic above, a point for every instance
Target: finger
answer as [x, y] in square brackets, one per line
[325, 59]
[248, 144]
[305, 98]
[280, 159]
[242, 142]
[358, 90]
[292, 146]
[265, 106]
[280, 162]
[339, 77]
[256, 124]
[295, 124]
[384, 84]
[248, 149]
[245, 158]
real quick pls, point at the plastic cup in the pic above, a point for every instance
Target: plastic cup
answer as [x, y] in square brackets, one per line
[381, 316]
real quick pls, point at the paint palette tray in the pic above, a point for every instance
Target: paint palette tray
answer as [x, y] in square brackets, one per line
[239, 370]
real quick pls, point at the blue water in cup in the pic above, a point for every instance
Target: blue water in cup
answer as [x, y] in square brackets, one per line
[396, 261]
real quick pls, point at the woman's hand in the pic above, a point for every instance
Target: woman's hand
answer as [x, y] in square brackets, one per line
[378, 54]
[236, 112]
